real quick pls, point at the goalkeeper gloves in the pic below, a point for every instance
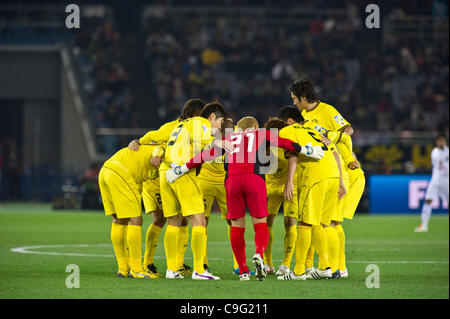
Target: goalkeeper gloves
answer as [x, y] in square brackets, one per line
[175, 172]
[314, 152]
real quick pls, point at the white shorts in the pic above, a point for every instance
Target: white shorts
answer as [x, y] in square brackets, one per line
[437, 188]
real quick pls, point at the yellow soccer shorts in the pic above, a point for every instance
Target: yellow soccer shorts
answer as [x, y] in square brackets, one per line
[338, 213]
[120, 195]
[210, 191]
[151, 195]
[317, 202]
[182, 196]
[354, 193]
[275, 197]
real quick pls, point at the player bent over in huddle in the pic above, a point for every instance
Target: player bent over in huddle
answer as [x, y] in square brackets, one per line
[151, 194]
[275, 181]
[320, 187]
[330, 123]
[245, 184]
[211, 183]
[184, 196]
[120, 182]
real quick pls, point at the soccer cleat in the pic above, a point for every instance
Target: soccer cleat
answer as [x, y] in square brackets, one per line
[170, 274]
[204, 276]
[153, 271]
[259, 267]
[244, 277]
[336, 275]
[344, 273]
[421, 229]
[237, 272]
[309, 270]
[283, 270]
[185, 270]
[141, 274]
[320, 274]
[122, 273]
[206, 267]
[269, 269]
[292, 276]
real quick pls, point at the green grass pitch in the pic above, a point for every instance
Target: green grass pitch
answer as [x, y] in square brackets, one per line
[411, 265]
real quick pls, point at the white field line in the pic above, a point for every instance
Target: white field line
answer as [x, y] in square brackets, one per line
[32, 250]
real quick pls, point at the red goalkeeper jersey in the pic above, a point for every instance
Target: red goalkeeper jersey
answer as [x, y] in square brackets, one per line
[249, 154]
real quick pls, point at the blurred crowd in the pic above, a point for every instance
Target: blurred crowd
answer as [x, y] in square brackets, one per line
[249, 66]
[106, 83]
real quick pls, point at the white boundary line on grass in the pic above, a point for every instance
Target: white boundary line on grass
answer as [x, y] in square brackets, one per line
[31, 250]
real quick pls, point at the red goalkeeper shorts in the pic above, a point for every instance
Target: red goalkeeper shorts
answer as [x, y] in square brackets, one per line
[245, 189]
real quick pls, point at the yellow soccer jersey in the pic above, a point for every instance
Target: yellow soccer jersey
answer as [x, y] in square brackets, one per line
[278, 176]
[345, 154]
[213, 172]
[159, 136]
[327, 120]
[187, 139]
[327, 116]
[134, 164]
[312, 171]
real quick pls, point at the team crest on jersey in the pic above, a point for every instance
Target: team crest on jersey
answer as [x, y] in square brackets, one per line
[339, 120]
[320, 129]
[205, 128]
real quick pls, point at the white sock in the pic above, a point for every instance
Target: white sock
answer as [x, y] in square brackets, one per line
[426, 213]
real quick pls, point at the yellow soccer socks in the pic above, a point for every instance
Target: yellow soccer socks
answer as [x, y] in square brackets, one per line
[310, 257]
[290, 239]
[333, 247]
[205, 259]
[268, 252]
[301, 248]
[340, 231]
[198, 246]
[183, 239]
[118, 241]
[134, 238]
[151, 242]
[319, 240]
[171, 246]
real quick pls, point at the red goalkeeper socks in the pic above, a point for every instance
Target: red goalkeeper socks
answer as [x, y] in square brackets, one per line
[238, 245]
[261, 237]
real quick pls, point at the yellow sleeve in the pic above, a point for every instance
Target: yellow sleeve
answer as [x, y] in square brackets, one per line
[206, 137]
[161, 135]
[347, 140]
[158, 151]
[332, 136]
[336, 120]
[346, 154]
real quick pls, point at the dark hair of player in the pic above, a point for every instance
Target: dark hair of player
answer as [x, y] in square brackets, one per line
[304, 88]
[213, 107]
[275, 122]
[439, 136]
[191, 108]
[227, 124]
[292, 112]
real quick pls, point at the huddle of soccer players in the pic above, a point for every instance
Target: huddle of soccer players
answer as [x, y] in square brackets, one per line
[317, 179]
